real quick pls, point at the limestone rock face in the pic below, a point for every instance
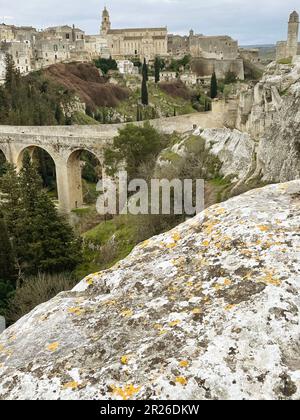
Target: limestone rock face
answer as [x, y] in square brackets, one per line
[270, 113]
[209, 310]
[233, 148]
[278, 152]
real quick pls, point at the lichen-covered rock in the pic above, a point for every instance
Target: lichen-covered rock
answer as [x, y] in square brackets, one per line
[209, 310]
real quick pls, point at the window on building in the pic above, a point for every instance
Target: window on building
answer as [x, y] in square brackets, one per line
[67, 36]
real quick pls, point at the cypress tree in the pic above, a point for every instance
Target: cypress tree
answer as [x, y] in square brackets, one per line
[7, 262]
[145, 97]
[145, 71]
[59, 115]
[157, 69]
[213, 86]
[51, 245]
[42, 240]
[7, 268]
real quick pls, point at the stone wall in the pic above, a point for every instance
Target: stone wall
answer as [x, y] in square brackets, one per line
[205, 67]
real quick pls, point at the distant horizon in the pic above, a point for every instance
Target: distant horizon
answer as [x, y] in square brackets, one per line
[258, 23]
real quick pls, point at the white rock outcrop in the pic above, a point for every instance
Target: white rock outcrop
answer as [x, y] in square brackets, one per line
[209, 310]
[234, 149]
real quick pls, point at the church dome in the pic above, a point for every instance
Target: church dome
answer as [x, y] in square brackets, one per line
[294, 17]
[105, 12]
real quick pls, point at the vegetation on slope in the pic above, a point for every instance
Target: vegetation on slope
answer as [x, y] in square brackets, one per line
[31, 100]
[38, 239]
[84, 79]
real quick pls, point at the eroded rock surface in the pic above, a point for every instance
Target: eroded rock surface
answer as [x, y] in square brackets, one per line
[209, 310]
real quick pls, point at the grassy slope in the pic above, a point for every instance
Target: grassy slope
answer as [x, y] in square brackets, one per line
[164, 103]
[111, 241]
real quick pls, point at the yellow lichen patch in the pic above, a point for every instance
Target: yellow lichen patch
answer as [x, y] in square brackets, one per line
[246, 253]
[179, 262]
[197, 311]
[162, 332]
[71, 385]
[145, 244]
[227, 282]
[189, 284]
[176, 237]
[127, 313]
[184, 363]
[124, 360]
[270, 278]
[158, 326]
[207, 300]
[209, 227]
[90, 281]
[181, 380]
[75, 311]
[127, 392]
[53, 346]
[1, 348]
[174, 323]
[110, 302]
[217, 286]
[171, 245]
[264, 228]
[205, 243]
[219, 211]
[99, 273]
[229, 307]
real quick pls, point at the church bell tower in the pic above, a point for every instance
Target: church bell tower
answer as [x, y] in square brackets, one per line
[293, 33]
[106, 25]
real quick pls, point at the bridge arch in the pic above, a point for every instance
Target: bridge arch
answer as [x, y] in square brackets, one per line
[3, 161]
[46, 164]
[79, 160]
[32, 148]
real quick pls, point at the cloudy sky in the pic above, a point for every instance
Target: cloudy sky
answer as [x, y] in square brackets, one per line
[251, 22]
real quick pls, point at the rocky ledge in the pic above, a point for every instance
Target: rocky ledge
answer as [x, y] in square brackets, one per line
[209, 310]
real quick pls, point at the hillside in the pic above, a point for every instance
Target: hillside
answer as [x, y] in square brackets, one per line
[84, 79]
[208, 311]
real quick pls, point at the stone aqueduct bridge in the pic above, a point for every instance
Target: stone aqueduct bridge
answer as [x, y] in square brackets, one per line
[65, 144]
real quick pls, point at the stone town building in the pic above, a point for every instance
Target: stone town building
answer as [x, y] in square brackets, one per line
[9, 33]
[21, 53]
[291, 47]
[127, 67]
[50, 51]
[2, 66]
[250, 54]
[136, 42]
[210, 53]
[97, 46]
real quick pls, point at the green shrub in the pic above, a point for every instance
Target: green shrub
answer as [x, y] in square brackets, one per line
[36, 290]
